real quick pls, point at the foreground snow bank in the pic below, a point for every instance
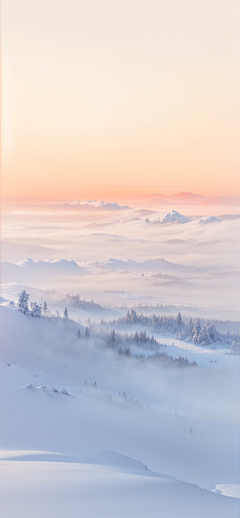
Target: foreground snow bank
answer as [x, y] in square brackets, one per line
[95, 491]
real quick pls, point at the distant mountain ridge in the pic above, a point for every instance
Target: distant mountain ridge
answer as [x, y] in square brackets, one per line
[175, 217]
[187, 198]
[150, 200]
[86, 205]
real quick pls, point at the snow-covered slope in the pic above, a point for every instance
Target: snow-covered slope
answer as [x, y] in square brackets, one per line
[29, 269]
[135, 458]
[155, 265]
[73, 488]
[52, 265]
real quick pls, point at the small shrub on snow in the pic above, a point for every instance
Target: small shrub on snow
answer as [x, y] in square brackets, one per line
[54, 389]
[64, 391]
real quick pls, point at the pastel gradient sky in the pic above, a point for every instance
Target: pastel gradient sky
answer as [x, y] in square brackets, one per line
[132, 96]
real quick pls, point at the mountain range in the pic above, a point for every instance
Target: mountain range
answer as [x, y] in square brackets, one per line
[186, 198]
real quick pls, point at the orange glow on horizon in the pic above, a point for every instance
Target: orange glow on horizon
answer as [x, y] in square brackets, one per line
[94, 109]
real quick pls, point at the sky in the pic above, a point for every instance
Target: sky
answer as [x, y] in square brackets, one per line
[119, 97]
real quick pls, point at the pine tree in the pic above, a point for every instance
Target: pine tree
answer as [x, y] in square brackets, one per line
[196, 330]
[235, 347]
[87, 334]
[45, 307]
[135, 338]
[142, 336]
[23, 303]
[112, 339]
[36, 310]
[213, 333]
[179, 319]
[190, 328]
[79, 333]
[65, 313]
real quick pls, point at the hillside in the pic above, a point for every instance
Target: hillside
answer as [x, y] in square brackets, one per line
[99, 439]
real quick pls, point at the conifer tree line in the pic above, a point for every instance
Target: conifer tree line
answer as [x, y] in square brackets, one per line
[195, 331]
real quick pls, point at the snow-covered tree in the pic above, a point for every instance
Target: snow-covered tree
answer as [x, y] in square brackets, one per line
[179, 319]
[87, 333]
[196, 330]
[36, 310]
[45, 307]
[208, 334]
[235, 347]
[135, 338]
[152, 340]
[23, 302]
[213, 333]
[79, 333]
[112, 339]
[190, 328]
[65, 313]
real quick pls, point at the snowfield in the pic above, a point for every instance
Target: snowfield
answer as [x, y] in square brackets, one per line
[131, 420]
[134, 459]
[91, 490]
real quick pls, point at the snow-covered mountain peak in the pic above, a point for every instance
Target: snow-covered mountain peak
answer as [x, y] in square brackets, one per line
[171, 217]
[208, 219]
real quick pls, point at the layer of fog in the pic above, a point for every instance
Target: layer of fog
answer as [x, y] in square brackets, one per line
[212, 249]
[210, 394]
